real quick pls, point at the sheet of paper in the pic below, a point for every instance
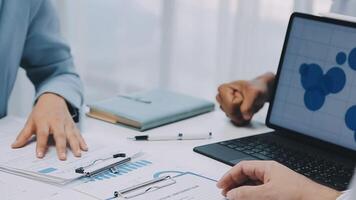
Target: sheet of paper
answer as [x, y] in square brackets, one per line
[103, 185]
[15, 188]
[24, 160]
[68, 194]
[138, 171]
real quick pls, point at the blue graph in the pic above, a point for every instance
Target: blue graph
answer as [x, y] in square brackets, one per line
[120, 170]
[317, 85]
[350, 119]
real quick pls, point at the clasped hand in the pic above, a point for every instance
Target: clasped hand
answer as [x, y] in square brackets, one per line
[240, 100]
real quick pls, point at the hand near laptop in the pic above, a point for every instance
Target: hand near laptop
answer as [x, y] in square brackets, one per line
[50, 117]
[259, 180]
[240, 100]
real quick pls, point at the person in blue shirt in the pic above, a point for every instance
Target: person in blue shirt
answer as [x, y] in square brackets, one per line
[30, 38]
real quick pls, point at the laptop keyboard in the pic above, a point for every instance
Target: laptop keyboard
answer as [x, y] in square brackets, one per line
[316, 168]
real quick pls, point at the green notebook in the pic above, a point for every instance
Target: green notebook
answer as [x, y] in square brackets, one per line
[148, 110]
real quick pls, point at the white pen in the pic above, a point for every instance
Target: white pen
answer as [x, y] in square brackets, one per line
[179, 136]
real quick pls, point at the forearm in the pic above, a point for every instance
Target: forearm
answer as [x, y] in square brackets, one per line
[327, 194]
[315, 191]
[47, 58]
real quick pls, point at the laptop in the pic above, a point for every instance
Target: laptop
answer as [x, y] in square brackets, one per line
[313, 108]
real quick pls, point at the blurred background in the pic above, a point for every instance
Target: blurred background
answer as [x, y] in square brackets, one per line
[188, 46]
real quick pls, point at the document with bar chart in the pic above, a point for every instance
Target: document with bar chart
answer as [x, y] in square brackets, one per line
[136, 172]
[23, 162]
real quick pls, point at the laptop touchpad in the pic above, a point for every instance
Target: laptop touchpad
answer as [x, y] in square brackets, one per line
[242, 159]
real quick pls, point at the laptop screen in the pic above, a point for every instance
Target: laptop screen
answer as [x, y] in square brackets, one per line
[316, 89]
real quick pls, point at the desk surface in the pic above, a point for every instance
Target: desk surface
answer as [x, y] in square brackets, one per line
[215, 122]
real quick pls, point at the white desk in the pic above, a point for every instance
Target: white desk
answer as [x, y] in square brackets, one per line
[216, 122]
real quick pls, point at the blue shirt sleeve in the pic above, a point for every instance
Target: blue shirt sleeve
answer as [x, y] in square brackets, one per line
[47, 58]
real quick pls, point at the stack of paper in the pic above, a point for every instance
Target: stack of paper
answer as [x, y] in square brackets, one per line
[16, 188]
[136, 179]
[183, 183]
[23, 162]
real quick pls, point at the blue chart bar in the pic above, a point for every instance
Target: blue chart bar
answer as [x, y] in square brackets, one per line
[121, 170]
[47, 170]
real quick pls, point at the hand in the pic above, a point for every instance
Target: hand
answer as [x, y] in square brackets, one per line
[260, 180]
[50, 118]
[240, 100]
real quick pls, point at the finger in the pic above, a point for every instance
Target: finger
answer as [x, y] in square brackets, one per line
[237, 117]
[237, 101]
[248, 183]
[82, 143]
[238, 120]
[238, 85]
[247, 193]
[72, 139]
[218, 99]
[42, 133]
[227, 96]
[240, 173]
[231, 100]
[24, 135]
[238, 98]
[60, 140]
[232, 179]
[221, 108]
[247, 106]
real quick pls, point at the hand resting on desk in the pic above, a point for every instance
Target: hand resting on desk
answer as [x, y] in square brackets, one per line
[50, 117]
[269, 180]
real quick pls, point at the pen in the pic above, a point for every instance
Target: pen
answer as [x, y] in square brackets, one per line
[180, 136]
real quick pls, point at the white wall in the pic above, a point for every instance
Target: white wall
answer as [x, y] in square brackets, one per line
[183, 45]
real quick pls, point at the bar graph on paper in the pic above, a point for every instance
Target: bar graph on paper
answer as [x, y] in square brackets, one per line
[103, 185]
[120, 171]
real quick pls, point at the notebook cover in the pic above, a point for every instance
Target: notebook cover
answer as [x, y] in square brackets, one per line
[154, 108]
